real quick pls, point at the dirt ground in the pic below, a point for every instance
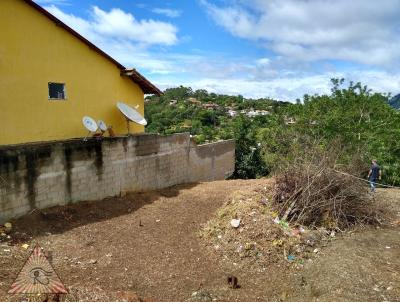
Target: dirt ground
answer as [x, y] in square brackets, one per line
[148, 243]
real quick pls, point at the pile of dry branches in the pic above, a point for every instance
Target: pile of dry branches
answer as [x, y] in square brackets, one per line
[313, 193]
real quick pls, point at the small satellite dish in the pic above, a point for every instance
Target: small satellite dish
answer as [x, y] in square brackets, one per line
[131, 115]
[102, 125]
[89, 124]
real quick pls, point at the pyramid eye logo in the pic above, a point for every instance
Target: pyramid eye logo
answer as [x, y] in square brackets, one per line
[37, 276]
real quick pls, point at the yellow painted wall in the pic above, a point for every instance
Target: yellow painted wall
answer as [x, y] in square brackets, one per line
[35, 51]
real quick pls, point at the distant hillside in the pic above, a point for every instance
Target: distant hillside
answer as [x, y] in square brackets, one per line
[270, 135]
[207, 116]
[395, 101]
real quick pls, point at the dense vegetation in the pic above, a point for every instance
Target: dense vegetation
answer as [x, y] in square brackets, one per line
[395, 101]
[361, 122]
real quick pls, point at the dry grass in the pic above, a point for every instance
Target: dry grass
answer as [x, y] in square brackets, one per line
[313, 193]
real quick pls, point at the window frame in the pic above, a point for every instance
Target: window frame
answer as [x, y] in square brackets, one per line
[64, 91]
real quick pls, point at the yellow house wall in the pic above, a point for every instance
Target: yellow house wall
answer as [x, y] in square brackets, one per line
[35, 51]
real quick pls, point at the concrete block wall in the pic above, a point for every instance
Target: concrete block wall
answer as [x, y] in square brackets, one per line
[42, 175]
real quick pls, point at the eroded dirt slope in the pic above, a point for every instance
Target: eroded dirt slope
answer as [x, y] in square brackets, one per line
[148, 243]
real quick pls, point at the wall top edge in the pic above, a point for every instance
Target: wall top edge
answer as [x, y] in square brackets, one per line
[89, 141]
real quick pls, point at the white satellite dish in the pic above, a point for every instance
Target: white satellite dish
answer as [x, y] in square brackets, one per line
[131, 115]
[89, 124]
[102, 125]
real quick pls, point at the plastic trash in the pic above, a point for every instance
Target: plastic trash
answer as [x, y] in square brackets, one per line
[283, 223]
[291, 257]
[7, 227]
[235, 223]
[295, 232]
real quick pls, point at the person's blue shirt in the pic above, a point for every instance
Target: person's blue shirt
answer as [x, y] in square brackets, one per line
[374, 172]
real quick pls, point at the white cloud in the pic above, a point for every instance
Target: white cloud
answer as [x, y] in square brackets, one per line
[126, 39]
[361, 31]
[289, 87]
[82, 26]
[171, 13]
[119, 25]
[286, 77]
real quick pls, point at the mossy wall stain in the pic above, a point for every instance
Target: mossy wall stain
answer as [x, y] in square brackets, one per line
[98, 160]
[9, 167]
[68, 168]
[147, 145]
[9, 162]
[125, 144]
[35, 158]
[30, 178]
[82, 151]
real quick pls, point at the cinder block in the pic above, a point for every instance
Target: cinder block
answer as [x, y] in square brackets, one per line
[16, 212]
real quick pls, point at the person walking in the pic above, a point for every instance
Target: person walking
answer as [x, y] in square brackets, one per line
[374, 174]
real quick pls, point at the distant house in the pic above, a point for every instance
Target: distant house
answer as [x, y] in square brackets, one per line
[194, 101]
[173, 102]
[210, 106]
[290, 121]
[253, 113]
[263, 112]
[51, 77]
[232, 113]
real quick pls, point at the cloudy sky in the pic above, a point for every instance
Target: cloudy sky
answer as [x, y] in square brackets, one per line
[257, 48]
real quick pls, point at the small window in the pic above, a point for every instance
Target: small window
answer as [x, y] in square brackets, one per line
[57, 91]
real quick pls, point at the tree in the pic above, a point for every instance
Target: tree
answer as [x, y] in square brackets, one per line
[248, 160]
[178, 93]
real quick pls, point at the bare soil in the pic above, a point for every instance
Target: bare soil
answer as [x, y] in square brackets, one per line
[148, 243]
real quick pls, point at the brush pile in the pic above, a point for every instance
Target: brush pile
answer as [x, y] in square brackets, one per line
[314, 194]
